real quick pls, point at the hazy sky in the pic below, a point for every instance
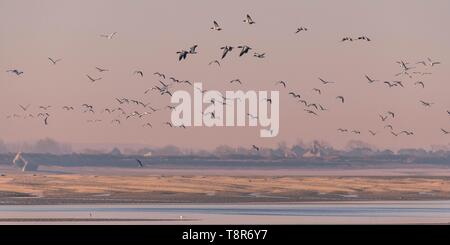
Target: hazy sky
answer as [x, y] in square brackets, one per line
[151, 32]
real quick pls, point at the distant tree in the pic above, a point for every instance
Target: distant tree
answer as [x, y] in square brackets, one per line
[3, 147]
[50, 146]
[115, 152]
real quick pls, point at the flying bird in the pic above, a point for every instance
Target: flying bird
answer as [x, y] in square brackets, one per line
[214, 62]
[399, 83]
[260, 55]
[101, 69]
[372, 132]
[364, 38]
[313, 105]
[370, 79]
[24, 108]
[311, 112]
[445, 131]
[15, 71]
[322, 108]
[115, 121]
[192, 50]
[182, 55]
[340, 98]
[324, 81]
[54, 61]
[301, 29]
[406, 132]
[255, 147]
[216, 26]
[161, 75]
[226, 49]
[140, 73]
[109, 36]
[317, 90]
[148, 125]
[420, 83]
[347, 39]
[93, 79]
[426, 104]
[236, 81]
[249, 20]
[390, 84]
[282, 83]
[294, 95]
[433, 63]
[244, 49]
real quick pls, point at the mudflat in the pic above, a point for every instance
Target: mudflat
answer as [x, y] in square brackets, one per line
[76, 188]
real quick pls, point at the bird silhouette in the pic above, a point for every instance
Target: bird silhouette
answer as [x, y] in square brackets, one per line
[15, 71]
[93, 79]
[216, 26]
[226, 49]
[249, 20]
[54, 61]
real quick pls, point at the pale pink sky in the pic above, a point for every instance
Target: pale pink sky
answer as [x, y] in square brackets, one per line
[150, 32]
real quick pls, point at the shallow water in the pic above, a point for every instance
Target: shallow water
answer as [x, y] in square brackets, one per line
[299, 213]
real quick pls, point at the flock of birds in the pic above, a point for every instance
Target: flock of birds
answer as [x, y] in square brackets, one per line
[129, 108]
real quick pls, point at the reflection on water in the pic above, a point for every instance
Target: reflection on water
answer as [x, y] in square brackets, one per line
[299, 213]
